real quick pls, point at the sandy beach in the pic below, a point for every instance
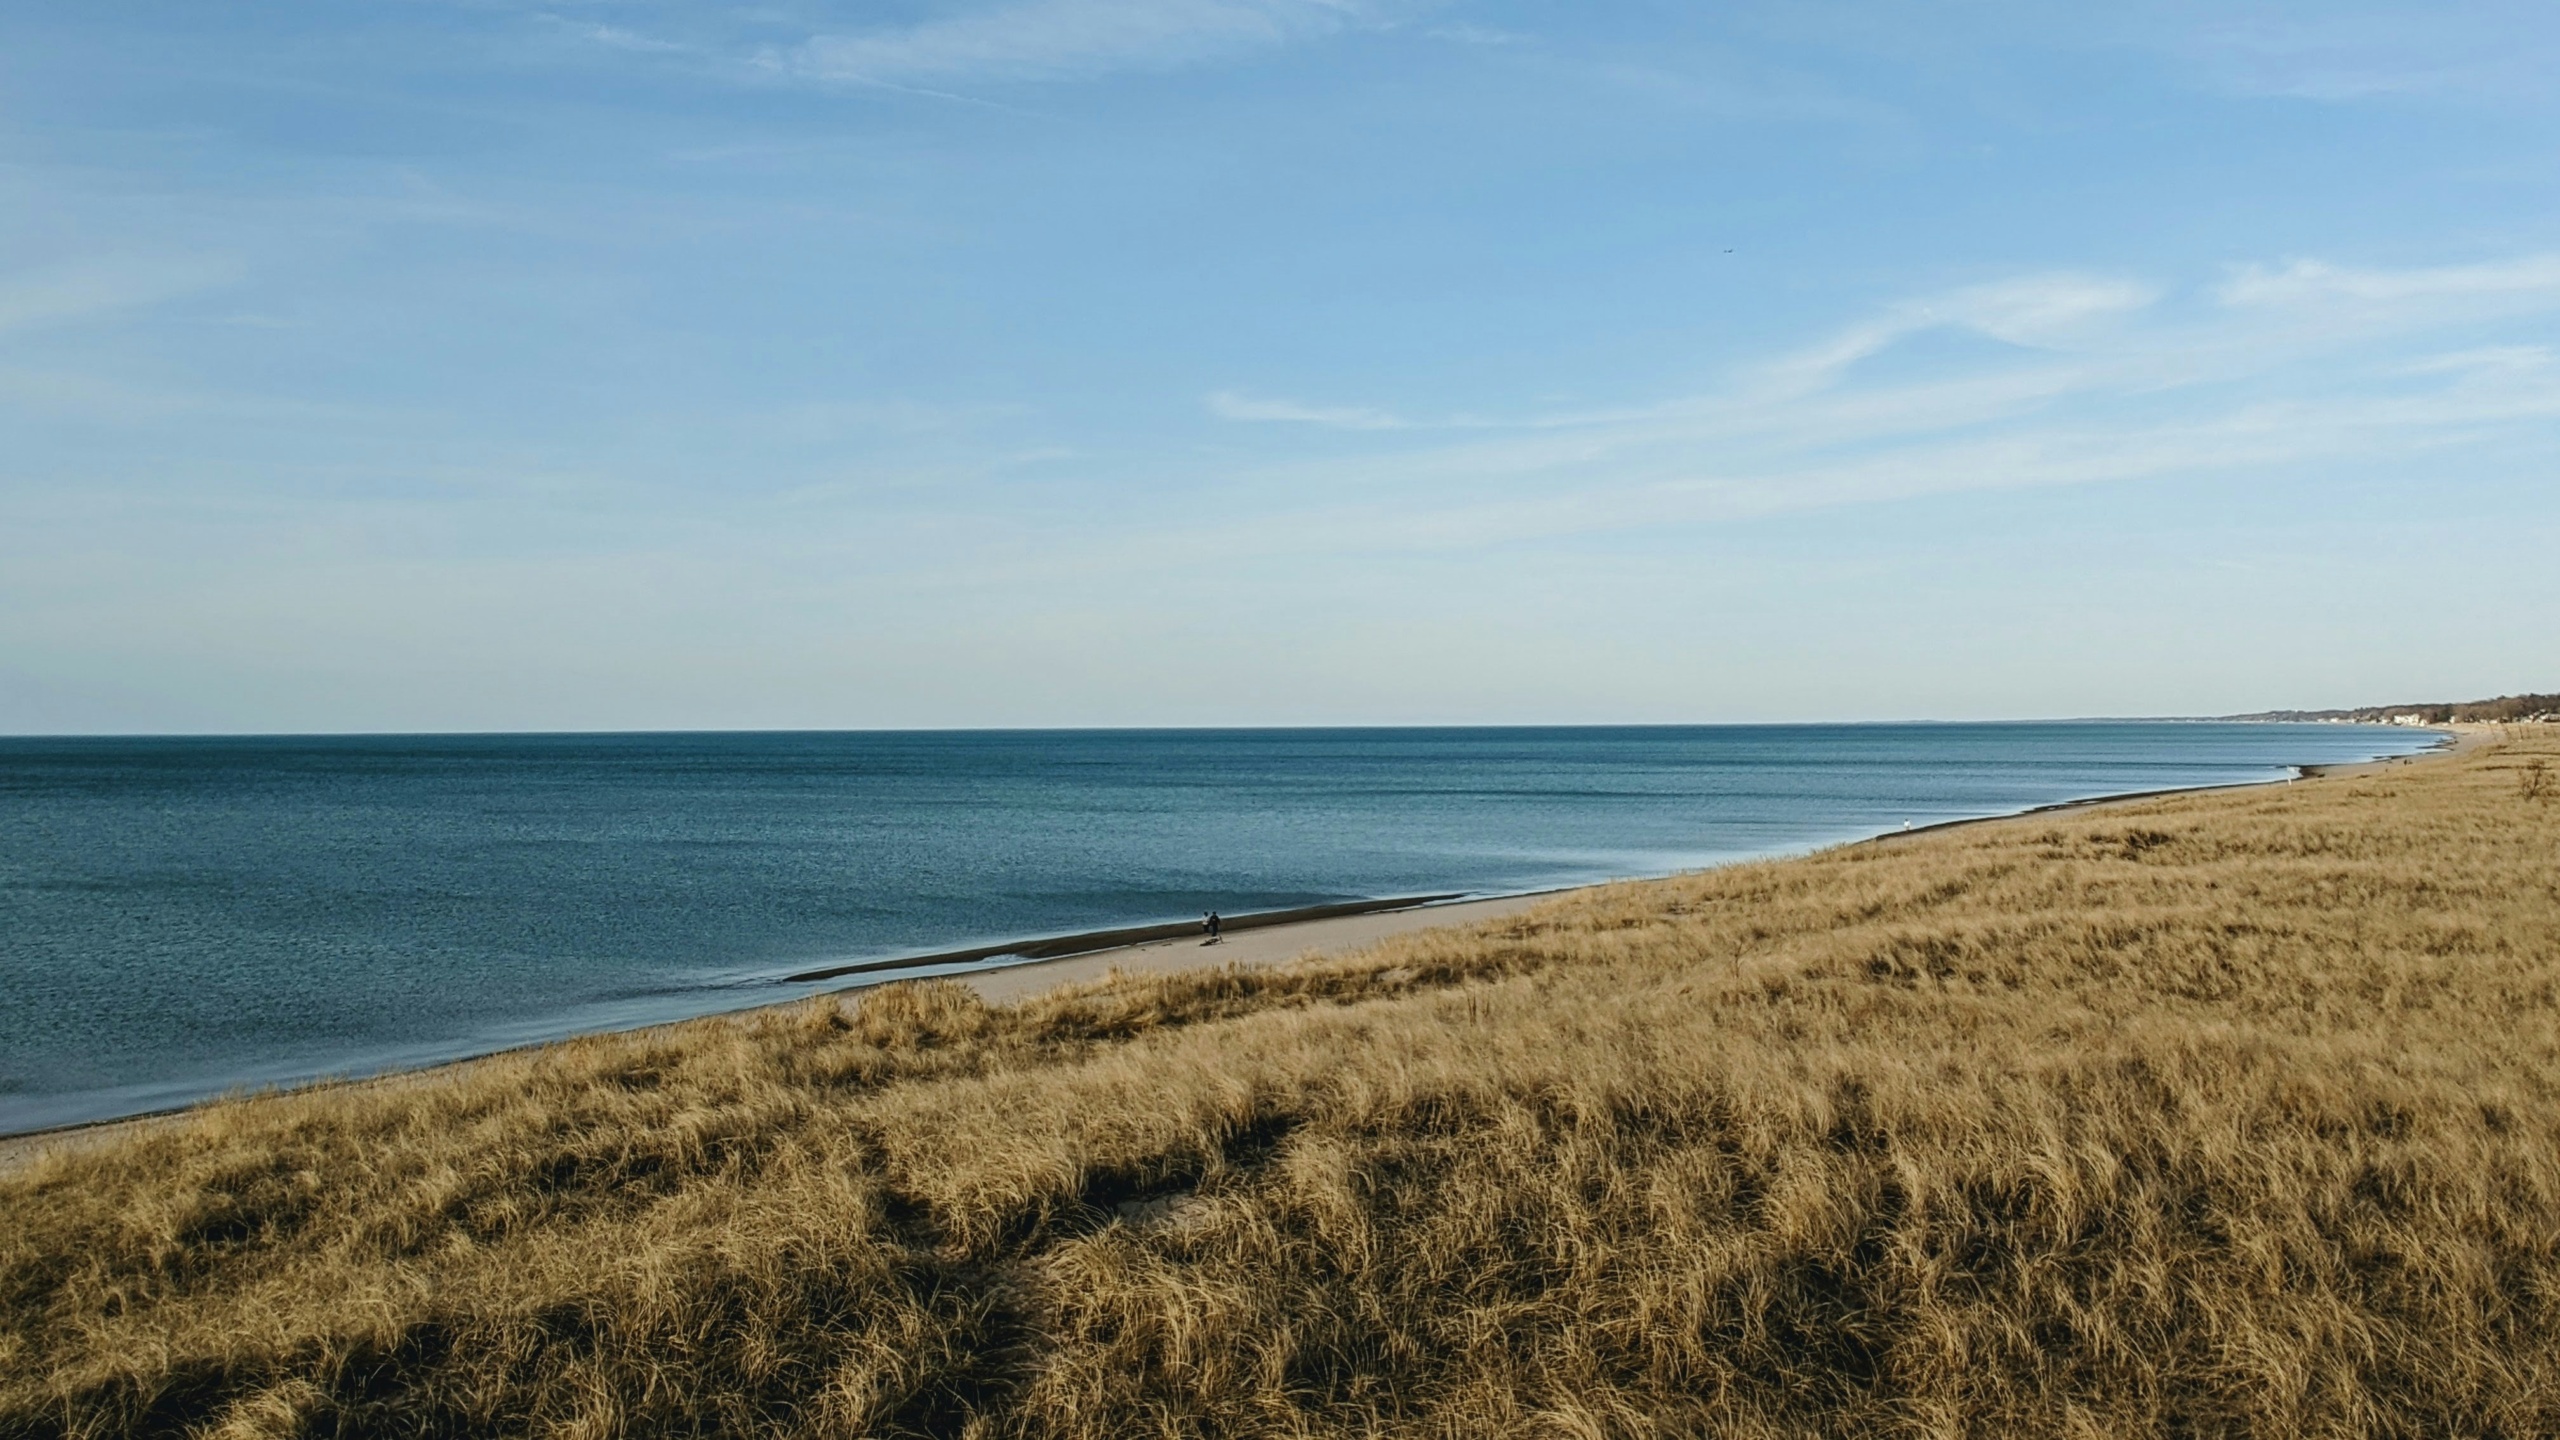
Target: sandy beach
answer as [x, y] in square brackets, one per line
[2466, 737]
[1270, 945]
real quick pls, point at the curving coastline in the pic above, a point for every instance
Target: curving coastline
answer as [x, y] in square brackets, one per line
[1036, 964]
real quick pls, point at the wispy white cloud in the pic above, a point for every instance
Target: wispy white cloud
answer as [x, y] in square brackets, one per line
[106, 404]
[1070, 39]
[2302, 282]
[2468, 50]
[836, 419]
[1466, 34]
[1235, 405]
[2034, 311]
[2108, 383]
[616, 37]
[2037, 313]
[2487, 360]
[1229, 405]
[77, 290]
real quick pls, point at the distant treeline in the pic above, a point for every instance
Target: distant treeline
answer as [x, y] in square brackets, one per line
[2504, 708]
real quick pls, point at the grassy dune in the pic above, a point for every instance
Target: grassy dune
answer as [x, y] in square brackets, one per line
[2231, 1114]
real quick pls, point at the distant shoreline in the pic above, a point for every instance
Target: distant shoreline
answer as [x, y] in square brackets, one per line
[1000, 984]
[1040, 952]
[1276, 937]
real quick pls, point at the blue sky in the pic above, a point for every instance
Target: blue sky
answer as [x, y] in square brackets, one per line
[437, 364]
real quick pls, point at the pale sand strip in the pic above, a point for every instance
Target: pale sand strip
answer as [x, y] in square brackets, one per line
[1270, 945]
[2467, 736]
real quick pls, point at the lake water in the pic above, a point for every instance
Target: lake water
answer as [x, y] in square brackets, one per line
[179, 917]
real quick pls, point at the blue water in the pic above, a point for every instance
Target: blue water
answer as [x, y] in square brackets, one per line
[183, 916]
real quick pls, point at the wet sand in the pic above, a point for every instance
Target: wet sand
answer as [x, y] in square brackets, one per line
[1127, 937]
[1268, 945]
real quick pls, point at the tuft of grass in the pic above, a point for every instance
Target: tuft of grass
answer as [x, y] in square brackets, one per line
[2232, 1114]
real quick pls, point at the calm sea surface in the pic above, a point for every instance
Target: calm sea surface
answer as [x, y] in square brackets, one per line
[183, 916]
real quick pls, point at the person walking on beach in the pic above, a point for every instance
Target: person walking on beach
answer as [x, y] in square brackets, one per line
[1211, 926]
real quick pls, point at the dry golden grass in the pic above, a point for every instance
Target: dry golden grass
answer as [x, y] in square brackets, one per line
[2215, 1115]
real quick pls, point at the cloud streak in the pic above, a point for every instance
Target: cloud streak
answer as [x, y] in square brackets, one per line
[2472, 51]
[2110, 382]
[2035, 312]
[2301, 282]
[84, 289]
[1073, 39]
[1229, 405]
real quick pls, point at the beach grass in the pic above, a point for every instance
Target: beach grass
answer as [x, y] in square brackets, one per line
[2219, 1114]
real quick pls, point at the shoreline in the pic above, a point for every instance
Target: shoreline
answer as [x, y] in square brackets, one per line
[1062, 947]
[1358, 922]
[2460, 736]
[2459, 739]
[1279, 937]
[1321, 938]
